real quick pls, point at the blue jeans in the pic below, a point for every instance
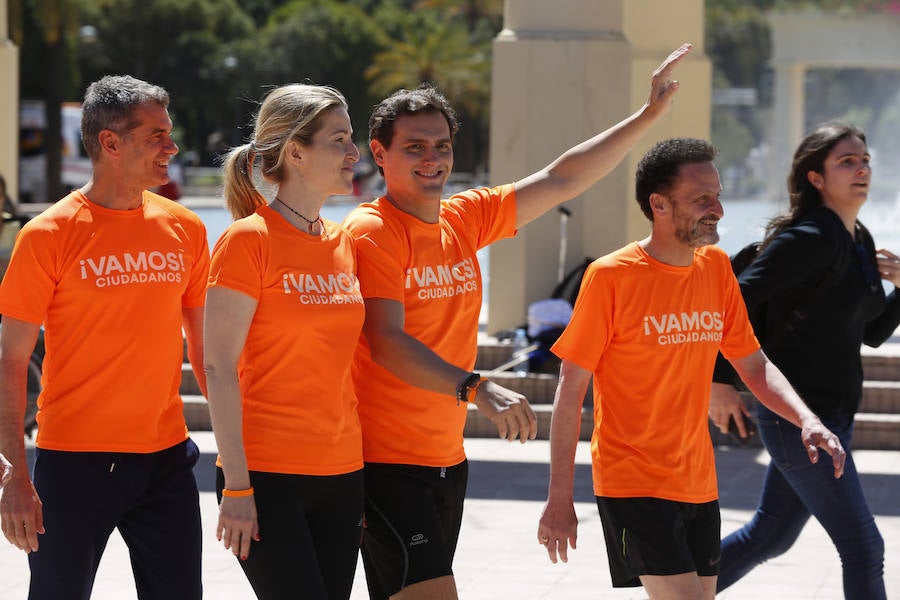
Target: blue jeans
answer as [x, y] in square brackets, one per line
[793, 490]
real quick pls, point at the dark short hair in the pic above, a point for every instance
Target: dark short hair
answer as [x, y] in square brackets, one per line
[658, 170]
[109, 103]
[424, 99]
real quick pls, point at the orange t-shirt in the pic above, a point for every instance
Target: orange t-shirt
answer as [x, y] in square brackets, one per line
[299, 406]
[433, 270]
[650, 333]
[109, 287]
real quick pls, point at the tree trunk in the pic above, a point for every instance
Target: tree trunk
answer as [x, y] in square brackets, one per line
[55, 86]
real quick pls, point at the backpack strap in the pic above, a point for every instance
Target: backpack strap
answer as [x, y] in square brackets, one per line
[568, 288]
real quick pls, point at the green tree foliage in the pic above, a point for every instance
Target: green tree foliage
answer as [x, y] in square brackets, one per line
[259, 10]
[476, 13]
[217, 58]
[739, 45]
[738, 41]
[182, 45]
[430, 50]
[313, 41]
[447, 44]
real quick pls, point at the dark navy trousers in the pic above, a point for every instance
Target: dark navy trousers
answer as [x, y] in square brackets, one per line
[151, 498]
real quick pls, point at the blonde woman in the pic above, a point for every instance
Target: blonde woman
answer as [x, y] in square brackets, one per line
[283, 317]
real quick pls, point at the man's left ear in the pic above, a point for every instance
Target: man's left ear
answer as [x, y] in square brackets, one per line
[376, 149]
[109, 141]
[658, 204]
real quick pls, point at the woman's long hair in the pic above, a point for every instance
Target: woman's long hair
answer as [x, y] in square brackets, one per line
[810, 156]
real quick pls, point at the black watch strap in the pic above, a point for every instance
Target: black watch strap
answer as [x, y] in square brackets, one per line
[465, 384]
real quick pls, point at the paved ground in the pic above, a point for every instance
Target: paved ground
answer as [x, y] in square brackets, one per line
[498, 556]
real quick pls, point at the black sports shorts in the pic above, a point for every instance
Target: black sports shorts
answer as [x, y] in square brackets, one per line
[651, 536]
[413, 516]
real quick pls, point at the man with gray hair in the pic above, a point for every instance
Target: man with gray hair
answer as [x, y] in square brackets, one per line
[113, 272]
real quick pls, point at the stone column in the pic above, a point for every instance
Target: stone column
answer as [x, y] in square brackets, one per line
[787, 124]
[562, 72]
[9, 106]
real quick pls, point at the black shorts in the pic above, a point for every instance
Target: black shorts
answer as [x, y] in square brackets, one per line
[650, 536]
[413, 516]
[309, 531]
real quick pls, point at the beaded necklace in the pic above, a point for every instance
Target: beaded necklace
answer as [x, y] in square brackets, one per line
[309, 222]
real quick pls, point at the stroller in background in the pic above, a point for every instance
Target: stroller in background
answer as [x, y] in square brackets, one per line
[548, 318]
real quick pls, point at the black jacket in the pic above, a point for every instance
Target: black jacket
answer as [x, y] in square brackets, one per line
[821, 356]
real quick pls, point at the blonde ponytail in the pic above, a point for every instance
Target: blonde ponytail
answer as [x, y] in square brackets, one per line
[241, 196]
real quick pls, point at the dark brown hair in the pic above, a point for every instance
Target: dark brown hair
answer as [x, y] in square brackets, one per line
[810, 156]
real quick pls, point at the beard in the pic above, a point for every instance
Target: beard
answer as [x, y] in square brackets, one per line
[697, 236]
[694, 234]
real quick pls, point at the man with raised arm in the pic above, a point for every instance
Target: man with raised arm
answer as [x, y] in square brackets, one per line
[421, 282]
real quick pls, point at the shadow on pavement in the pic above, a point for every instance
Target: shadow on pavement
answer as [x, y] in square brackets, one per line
[740, 480]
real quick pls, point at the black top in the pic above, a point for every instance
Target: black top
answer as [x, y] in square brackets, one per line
[821, 357]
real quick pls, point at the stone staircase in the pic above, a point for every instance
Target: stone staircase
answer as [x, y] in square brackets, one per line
[877, 423]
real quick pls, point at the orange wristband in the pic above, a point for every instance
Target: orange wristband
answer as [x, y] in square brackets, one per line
[470, 395]
[238, 493]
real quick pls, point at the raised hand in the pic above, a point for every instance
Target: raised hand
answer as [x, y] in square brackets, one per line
[662, 87]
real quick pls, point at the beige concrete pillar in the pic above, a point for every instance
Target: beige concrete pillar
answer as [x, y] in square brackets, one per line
[9, 106]
[805, 40]
[562, 72]
[787, 123]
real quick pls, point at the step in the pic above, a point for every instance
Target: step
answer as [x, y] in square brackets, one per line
[876, 431]
[196, 412]
[189, 383]
[539, 388]
[491, 353]
[479, 426]
[879, 364]
[881, 390]
[882, 363]
[881, 397]
[872, 431]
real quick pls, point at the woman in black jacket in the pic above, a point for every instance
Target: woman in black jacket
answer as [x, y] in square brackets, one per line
[819, 239]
